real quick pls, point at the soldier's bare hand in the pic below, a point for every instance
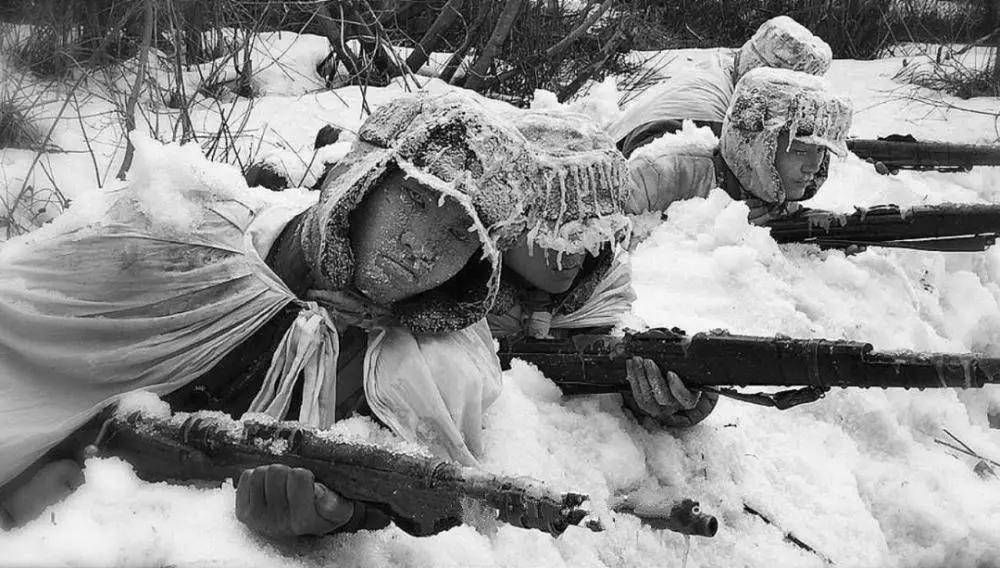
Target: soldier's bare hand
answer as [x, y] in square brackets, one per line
[52, 483]
[280, 502]
[852, 250]
[665, 399]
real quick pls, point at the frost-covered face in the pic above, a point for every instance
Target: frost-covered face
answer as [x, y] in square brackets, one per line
[797, 165]
[405, 242]
[543, 268]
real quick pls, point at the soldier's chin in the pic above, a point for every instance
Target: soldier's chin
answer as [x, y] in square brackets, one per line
[558, 282]
[795, 191]
[379, 286]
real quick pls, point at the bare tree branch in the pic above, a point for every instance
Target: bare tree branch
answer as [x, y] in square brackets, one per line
[445, 19]
[479, 69]
[133, 97]
[559, 48]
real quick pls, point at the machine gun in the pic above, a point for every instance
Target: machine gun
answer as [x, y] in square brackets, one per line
[895, 152]
[595, 363]
[422, 495]
[945, 227]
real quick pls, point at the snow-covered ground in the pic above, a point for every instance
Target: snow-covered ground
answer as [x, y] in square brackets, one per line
[856, 476]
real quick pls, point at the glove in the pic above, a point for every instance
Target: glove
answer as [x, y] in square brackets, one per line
[664, 400]
[281, 502]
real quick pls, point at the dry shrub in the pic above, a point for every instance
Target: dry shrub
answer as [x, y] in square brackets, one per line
[17, 130]
[29, 209]
[858, 29]
[522, 66]
[950, 72]
[45, 53]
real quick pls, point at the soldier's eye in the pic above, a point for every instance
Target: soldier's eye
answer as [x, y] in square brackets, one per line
[415, 197]
[460, 234]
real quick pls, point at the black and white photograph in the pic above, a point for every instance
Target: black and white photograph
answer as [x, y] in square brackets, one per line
[499, 283]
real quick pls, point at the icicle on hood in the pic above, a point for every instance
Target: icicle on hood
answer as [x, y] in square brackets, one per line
[783, 43]
[576, 196]
[766, 103]
[577, 188]
[453, 144]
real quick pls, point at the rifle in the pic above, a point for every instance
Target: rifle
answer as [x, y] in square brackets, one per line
[895, 152]
[422, 495]
[595, 363]
[945, 227]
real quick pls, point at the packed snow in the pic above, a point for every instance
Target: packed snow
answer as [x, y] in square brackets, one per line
[857, 476]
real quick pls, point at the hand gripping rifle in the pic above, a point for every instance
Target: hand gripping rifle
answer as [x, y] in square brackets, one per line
[895, 152]
[715, 361]
[947, 227]
[422, 495]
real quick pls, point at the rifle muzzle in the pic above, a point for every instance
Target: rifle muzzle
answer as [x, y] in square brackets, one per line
[684, 517]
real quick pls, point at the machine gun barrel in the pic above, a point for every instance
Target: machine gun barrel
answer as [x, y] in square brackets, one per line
[905, 152]
[945, 227]
[592, 364]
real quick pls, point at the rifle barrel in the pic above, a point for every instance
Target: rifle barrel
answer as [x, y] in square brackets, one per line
[916, 154]
[946, 226]
[591, 364]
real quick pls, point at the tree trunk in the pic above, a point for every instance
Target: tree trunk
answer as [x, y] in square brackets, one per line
[456, 58]
[606, 52]
[372, 41]
[993, 17]
[194, 20]
[331, 30]
[445, 19]
[556, 50]
[133, 98]
[483, 63]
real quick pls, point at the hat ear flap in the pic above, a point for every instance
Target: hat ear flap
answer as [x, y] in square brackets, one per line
[765, 182]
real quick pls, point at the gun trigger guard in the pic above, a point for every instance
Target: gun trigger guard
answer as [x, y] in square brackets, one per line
[781, 400]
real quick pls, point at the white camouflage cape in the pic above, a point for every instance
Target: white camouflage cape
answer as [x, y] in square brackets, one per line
[118, 296]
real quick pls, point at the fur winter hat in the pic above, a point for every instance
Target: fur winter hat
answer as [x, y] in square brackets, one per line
[783, 43]
[766, 103]
[578, 186]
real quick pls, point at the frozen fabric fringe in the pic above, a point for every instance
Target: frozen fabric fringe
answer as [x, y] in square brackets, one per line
[577, 182]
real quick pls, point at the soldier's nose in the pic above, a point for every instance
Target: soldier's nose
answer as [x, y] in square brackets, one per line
[812, 164]
[415, 247]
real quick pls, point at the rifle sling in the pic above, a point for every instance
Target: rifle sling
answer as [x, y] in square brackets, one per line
[781, 400]
[968, 243]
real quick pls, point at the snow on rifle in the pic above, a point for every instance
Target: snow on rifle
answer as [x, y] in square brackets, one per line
[423, 495]
[945, 227]
[594, 363]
